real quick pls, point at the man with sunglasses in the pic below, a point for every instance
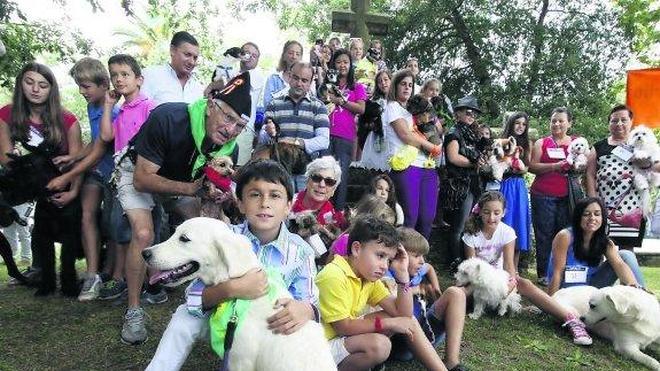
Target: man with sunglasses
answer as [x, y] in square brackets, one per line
[301, 118]
[169, 153]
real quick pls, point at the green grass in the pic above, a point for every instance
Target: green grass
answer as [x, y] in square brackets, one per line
[62, 334]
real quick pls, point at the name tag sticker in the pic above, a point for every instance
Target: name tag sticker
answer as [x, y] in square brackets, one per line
[622, 153]
[576, 274]
[556, 153]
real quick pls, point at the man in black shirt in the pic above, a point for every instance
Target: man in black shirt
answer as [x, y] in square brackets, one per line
[170, 150]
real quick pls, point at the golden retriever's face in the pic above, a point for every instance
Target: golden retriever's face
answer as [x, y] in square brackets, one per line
[202, 248]
[611, 305]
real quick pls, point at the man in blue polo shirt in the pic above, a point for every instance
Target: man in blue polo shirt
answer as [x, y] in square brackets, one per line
[302, 119]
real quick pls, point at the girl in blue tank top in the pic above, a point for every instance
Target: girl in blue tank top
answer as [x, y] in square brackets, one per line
[583, 254]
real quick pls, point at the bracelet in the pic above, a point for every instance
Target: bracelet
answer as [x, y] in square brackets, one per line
[405, 286]
[378, 325]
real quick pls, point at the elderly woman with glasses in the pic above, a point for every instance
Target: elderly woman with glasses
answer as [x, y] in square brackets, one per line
[323, 176]
[463, 186]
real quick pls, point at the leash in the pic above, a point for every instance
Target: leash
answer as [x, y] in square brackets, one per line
[229, 337]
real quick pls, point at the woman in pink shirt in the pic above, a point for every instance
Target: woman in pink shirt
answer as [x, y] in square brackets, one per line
[343, 129]
[36, 118]
[549, 191]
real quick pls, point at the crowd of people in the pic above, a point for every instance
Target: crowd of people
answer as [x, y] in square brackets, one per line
[153, 131]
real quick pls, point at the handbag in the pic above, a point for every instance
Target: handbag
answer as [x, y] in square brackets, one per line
[633, 219]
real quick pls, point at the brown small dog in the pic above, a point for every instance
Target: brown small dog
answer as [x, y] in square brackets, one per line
[218, 194]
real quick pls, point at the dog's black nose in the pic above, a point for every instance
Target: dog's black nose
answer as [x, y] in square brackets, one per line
[582, 318]
[146, 254]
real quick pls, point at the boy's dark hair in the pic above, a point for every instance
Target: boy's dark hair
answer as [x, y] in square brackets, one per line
[620, 107]
[267, 170]
[413, 241]
[371, 228]
[183, 37]
[126, 60]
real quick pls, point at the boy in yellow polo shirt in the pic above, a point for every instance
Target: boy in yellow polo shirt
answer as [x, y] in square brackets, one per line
[348, 285]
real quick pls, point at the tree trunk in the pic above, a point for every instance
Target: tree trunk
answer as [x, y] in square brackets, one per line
[478, 62]
[537, 43]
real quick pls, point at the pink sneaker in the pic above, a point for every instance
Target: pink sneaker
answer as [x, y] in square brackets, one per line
[578, 330]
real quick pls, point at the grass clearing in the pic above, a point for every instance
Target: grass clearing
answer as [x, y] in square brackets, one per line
[61, 334]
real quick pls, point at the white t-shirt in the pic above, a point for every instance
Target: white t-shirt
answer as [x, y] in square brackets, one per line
[162, 85]
[375, 154]
[491, 250]
[246, 137]
[394, 111]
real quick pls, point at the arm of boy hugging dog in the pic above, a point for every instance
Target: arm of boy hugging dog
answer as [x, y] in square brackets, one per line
[87, 159]
[398, 311]
[433, 279]
[74, 141]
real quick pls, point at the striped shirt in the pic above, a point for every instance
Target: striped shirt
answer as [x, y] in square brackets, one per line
[306, 120]
[289, 254]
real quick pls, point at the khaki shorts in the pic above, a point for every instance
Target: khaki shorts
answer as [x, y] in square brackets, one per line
[128, 196]
[338, 350]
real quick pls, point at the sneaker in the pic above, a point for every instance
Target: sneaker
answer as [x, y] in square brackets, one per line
[91, 288]
[134, 330]
[542, 281]
[578, 330]
[112, 289]
[158, 298]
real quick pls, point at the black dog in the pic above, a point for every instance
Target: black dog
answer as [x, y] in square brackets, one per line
[369, 121]
[8, 216]
[26, 176]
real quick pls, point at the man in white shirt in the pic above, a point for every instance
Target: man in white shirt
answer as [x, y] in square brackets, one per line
[246, 138]
[174, 82]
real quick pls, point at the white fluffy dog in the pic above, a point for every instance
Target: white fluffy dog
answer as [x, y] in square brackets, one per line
[488, 286]
[627, 316]
[578, 151]
[208, 249]
[645, 147]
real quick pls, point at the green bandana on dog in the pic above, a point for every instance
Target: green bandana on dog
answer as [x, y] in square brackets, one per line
[239, 307]
[197, 112]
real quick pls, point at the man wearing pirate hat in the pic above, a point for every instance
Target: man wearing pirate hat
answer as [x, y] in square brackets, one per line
[170, 151]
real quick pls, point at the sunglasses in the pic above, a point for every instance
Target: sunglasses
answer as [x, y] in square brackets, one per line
[316, 178]
[471, 113]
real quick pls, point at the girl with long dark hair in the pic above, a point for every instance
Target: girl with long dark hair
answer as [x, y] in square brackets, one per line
[583, 254]
[343, 131]
[35, 118]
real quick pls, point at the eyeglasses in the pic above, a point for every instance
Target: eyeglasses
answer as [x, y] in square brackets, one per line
[316, 178]
[238, 123]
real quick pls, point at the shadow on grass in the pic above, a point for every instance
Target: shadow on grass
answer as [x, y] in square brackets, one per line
[62, 334]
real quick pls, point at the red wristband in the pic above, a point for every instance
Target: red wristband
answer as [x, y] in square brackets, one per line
[378, 325]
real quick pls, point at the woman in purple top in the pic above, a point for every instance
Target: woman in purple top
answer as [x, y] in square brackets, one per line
[343, 129]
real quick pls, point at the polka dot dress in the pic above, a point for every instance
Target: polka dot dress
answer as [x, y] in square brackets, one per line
[615, 186]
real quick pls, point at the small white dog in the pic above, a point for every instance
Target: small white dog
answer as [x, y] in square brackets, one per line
[206, 248]
[645, 147]
[488, 286]
[627, 316]
[578, 151]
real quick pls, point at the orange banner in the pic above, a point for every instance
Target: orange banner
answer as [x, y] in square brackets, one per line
[643, 96]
